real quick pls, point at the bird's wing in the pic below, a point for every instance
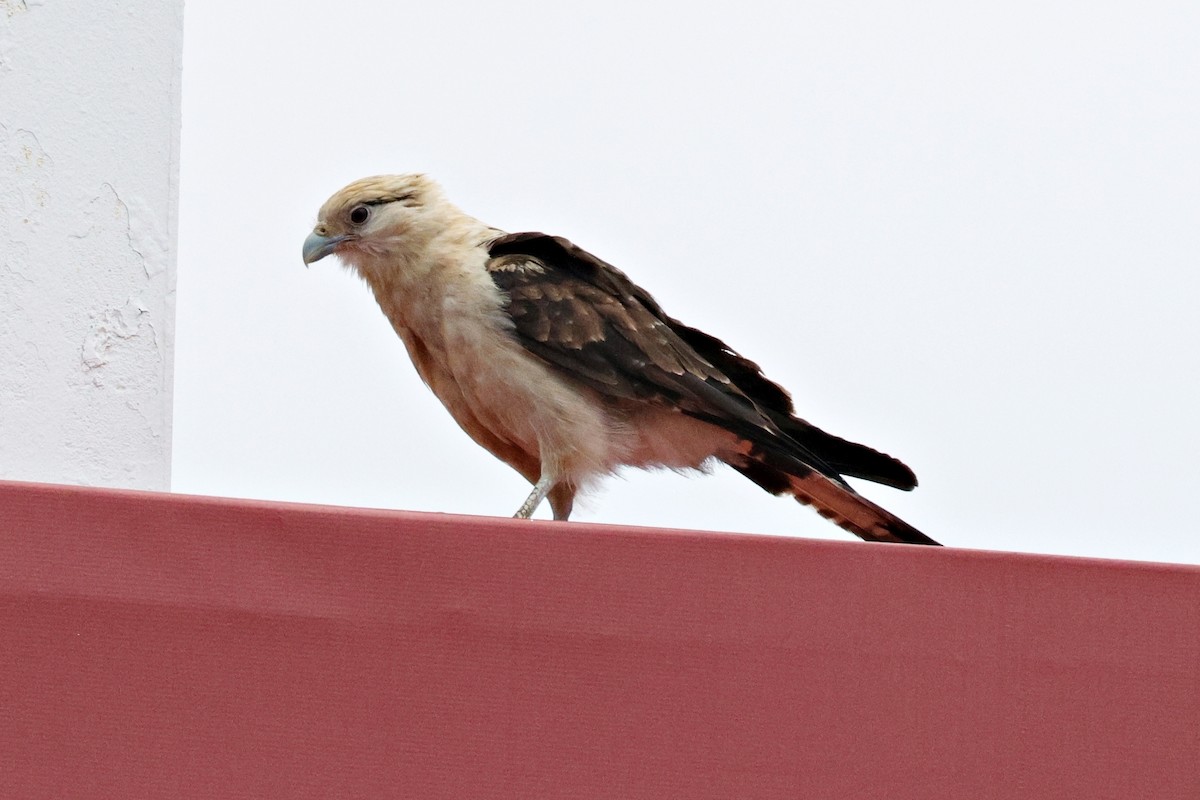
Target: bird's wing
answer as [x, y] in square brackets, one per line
[588, 319]
[585, 317]
[848, 458]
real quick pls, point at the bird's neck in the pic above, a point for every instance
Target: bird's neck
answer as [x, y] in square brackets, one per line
[403, 255]
[414, 275]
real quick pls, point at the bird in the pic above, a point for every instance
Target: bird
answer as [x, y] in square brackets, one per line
[562, 367]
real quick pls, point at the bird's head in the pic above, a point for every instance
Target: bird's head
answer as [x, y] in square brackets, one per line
[381, 216]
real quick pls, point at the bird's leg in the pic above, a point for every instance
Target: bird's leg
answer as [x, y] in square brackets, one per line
[540, 490]
[562, 498]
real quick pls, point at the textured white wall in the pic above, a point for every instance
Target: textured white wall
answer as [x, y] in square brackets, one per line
[89, 165]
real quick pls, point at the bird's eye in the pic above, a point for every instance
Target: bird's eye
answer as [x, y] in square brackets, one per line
[359, 214]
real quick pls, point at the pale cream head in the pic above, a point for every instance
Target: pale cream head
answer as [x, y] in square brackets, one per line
[376, 216]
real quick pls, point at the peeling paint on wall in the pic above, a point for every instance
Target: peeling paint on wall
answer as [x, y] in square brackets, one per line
[27, 169]
[145, 237]
[13, 7]
[110, 329]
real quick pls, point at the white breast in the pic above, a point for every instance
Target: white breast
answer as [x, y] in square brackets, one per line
[461, 342]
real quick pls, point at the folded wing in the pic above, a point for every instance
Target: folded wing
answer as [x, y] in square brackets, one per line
[588, 320]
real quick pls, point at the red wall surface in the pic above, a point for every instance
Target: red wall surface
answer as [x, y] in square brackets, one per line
[167, 646]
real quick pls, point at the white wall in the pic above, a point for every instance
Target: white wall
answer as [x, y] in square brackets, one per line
[89, 165]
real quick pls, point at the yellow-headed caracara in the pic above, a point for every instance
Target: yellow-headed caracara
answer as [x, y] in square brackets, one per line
[563, 368]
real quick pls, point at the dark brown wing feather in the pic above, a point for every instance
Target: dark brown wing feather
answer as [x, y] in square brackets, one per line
[848, 458]
[587, 318]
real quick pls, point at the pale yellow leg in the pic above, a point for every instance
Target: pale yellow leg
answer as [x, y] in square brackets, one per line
[540, 490]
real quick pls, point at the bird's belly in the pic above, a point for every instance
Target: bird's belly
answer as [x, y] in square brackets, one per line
[663, 437]
[498, 385]
[527, 413]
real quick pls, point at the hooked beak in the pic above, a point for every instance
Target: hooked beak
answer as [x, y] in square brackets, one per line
[317, 246]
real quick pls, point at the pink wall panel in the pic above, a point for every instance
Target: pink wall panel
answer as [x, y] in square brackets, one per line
[158, 645]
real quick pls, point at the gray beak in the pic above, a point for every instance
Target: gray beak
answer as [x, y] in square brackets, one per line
[317, 246]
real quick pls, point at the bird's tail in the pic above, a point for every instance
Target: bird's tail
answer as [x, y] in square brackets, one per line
[832, 499]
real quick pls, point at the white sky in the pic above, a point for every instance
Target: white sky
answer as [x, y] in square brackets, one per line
[966, 236]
